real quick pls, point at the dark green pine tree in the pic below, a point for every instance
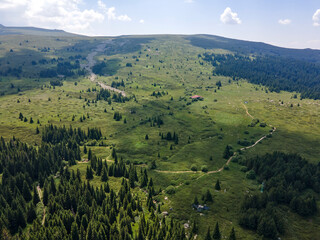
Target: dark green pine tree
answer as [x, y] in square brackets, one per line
[104, 175]
[114, 155]
[195, 228]
[216, 232]
[36, 198]
[26, 192]
[208, 235]
[53, 189]
[196, 201]
[107, 188]
[85, 149]
[37, 130]
[217, 186]
[31, 213]
[144, 179]
[74, 231]
[89, 173]
[153, 164]
[89, 154]
[228, 152]
[232, 235]
[45, 196]
[159, 209]
[208, 196]
[20, 217]
[150, 184]
[131, 177]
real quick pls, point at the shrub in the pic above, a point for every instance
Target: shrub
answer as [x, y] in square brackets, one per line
[204, 168]
[251, 174]
[194, 167]
[263, 124]
[226, 167]
[235, 159]
[171, 190]
[243, 169]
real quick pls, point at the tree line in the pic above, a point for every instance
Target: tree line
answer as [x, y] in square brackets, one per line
[287, 180]
[53, 134]
[276, 73]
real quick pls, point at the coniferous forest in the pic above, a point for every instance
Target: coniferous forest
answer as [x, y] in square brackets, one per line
[75, 209]
[277, 73]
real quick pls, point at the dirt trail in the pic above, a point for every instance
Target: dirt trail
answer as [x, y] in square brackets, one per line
[229, 160]
[91, 62]
[41, 200]
[165, 171]
[245, 107]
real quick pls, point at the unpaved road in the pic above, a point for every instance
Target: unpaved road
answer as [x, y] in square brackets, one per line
[91, 62]
[229, 160]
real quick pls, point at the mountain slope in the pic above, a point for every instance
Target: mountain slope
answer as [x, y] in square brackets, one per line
[33, 31]
[257, 48]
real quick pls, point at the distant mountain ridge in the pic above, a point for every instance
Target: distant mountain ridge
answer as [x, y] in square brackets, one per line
[33, 31]
[255, 48]
[205, 41]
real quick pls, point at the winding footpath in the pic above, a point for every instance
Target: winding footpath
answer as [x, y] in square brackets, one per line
[91, 62]
[229, 160]
[247, 112]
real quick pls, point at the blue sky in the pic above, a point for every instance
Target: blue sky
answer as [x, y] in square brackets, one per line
[294, 23]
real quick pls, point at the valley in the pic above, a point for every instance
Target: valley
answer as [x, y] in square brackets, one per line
[137, 90]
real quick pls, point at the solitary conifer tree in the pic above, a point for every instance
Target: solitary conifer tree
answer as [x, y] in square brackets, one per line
[216, 232]
[85, 149]
[232, 234]
[217, 186]
[196, 201]
[208, 236]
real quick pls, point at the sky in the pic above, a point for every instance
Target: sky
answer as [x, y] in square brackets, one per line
[286, 23]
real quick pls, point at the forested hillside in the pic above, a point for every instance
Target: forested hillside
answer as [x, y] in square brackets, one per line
[73, 208]
[277, 73]
[157, 137]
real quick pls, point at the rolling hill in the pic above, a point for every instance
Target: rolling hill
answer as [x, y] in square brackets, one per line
[33, 31]
[157, 137]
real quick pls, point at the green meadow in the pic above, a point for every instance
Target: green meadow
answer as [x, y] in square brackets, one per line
[171, 66]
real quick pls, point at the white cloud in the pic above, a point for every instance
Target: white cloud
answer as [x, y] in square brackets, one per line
[316, 18]
[102, 6]
[284, 21]
[124, 18]
[64, 14]
[111, 13]
[68, 15]
[141, 21]
[229, 17]
[61, 14]
[7, 4]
